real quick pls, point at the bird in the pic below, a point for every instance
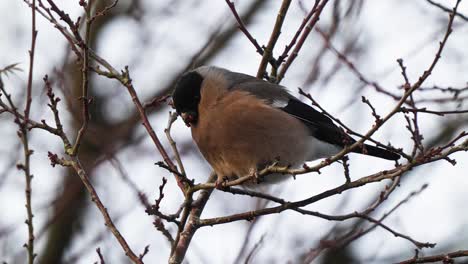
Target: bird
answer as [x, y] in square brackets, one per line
[242, 124]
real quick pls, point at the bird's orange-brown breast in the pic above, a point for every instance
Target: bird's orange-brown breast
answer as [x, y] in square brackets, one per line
[234, 132]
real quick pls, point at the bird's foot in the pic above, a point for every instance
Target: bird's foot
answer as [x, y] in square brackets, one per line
[221, 182]
[254, 173]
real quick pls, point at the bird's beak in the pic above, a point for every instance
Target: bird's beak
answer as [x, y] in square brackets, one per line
[187, 117]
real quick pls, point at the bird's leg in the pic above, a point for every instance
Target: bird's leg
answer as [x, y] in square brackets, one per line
[253, 172]
[220, 183]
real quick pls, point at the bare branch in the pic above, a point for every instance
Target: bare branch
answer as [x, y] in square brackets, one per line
[184, 237]
[288, 47]
[101, 258]
[268, 52]
[448, 10]
[167, 131]
[427, 111]
[76, 165]
[301, 40]
[23, 133]
[243, 28]
[353, 68]
[84, 80]
[445, 258]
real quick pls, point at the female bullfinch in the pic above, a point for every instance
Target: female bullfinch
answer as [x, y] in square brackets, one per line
[241, 123]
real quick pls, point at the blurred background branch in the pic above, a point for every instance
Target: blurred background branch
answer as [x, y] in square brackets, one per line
[160, 41]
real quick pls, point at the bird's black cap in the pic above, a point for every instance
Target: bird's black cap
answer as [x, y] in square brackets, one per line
[186, 95]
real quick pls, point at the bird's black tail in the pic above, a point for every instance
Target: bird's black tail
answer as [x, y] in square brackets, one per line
[376, 152]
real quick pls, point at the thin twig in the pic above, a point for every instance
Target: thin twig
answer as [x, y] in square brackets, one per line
[343, 58]
[455, 91]
[243, 28]
[427, 111]
[53, 105]
[301, 40]
[76, 165]
[268, 52]
[346, 169]
[444, 258]
[104, 11]
[101, 258]
[355, 235]
[84, 80]
[142, 198]
[184, 237]
[443, 100]
[288, 47]
[403, 72]
[377, 117]
[145, 251]
[66, 18]
[23, 133]
[413, 124]
[448, 10]
[167, 131]
[125, 80]
[254, 250]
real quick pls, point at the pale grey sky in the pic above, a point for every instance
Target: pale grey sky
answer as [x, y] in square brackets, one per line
[390, 30]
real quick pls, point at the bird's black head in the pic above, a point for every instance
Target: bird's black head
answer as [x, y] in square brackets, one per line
[186, 96]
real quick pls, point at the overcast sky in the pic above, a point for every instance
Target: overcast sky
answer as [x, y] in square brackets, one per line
[388, 30]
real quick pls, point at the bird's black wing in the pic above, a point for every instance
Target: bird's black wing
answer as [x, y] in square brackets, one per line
[320, 126]
[324, 129]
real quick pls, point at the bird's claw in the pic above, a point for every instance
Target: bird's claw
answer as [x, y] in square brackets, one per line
[220, 183]
[254, 173]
